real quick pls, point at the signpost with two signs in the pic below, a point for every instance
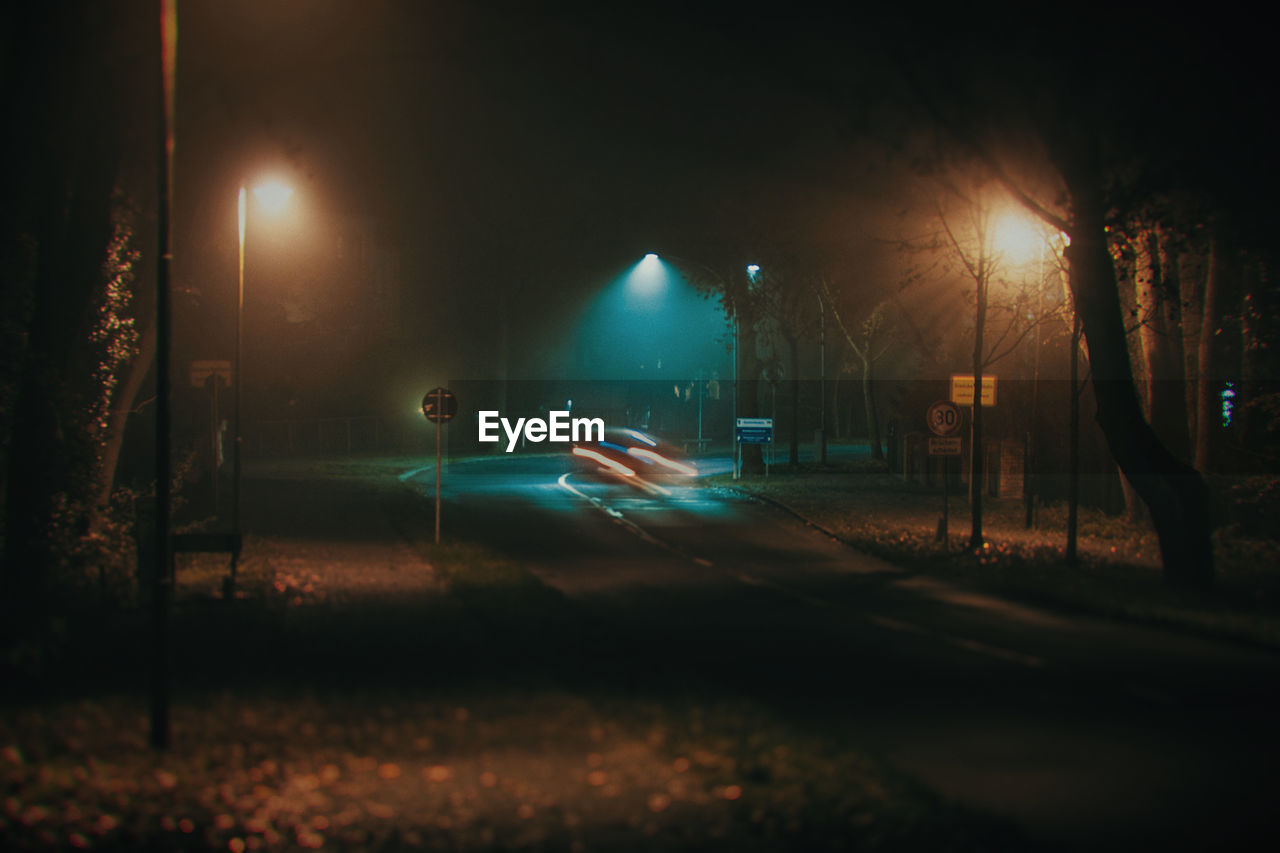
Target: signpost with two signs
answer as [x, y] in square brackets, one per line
[945, 419]
[752, 431]
[439, 407]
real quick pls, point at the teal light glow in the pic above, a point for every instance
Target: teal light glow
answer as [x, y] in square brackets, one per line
[647, 280]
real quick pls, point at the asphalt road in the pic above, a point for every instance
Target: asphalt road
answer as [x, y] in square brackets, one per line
[1088, 733]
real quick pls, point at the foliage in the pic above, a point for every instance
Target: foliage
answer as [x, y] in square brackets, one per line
[115, 331]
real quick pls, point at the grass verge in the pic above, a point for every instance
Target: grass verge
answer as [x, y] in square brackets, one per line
[1118, 572]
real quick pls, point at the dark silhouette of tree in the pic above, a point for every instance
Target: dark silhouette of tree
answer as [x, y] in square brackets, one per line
[75, 79]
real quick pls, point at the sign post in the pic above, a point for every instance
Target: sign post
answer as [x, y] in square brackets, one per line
[439, 406]
[944, 419]
[753, 431]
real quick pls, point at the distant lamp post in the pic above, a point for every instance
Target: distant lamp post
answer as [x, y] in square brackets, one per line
[272, 196]
[1020, 240]
[652, 261]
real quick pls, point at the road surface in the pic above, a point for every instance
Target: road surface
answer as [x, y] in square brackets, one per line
[1088, 733]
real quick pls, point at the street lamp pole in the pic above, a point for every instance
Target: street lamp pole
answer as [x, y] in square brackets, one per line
[238, 379]
[733, 427]
[822, 378]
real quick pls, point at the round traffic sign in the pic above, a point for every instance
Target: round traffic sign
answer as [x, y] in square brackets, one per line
[944, 418]
[439, 405]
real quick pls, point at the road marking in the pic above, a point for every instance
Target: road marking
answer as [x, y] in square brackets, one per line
[896, 625]
[972, 646]
[994, 651]
[409, 475]
[614, 514]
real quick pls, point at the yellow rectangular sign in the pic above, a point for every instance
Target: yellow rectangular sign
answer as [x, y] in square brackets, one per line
[962, 389]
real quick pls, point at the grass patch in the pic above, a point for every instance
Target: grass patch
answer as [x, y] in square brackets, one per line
[504, 595]
[1118, 572]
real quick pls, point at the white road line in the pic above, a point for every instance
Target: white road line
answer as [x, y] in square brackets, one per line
[614, 514]
[409, 475]
[973, 646]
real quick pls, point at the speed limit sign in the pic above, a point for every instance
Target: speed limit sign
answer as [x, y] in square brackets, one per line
[943, 418]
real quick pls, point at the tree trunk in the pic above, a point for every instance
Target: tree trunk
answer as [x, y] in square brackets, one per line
[122, 405]
[1171, 413]
[1252, 348]
[835, 408]
[1175, 494]
[793, 349]
[975, 420]
[749, 400]
[1220, 267]
[1192, 272]
[874, 441]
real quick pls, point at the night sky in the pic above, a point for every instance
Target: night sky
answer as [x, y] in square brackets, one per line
[517, 158]
[514, 152]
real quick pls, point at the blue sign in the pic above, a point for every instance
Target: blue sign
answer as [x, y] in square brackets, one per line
[755, 430]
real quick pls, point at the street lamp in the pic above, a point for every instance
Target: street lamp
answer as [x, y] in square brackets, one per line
[753, 272]
[273, 196]
[1020, 240]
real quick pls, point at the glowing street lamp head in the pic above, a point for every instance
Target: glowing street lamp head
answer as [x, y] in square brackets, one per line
[273, 196]
[647, 279]
[1016, 237]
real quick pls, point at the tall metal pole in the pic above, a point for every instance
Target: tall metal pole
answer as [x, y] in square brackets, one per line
[1073, 464]
[700, 381]
[737, 456]
[439, 427]
[1031, 463]
[822, 378]
[163, 568]
[238, 381]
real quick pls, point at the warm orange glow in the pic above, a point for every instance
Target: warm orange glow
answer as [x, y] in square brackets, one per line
[1017, 237]
[272, 196]
[603, 460]
[240, 207]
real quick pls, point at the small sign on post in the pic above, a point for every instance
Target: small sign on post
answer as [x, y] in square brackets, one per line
[753, 431]
[439, 407]
[203, 369]
[962, 389]
[944, 419]
[949, 446]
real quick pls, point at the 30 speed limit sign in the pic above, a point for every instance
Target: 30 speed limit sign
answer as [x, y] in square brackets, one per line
[943, 418]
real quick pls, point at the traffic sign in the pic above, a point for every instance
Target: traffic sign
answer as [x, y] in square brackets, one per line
[947, 446]
[944, 418]
[755, 430]
[439, 405]
[202, 370]
[962, 389]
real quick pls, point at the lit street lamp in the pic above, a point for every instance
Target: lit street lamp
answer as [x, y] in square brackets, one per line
[753, 272]
[1020, 241]
[272, 196]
